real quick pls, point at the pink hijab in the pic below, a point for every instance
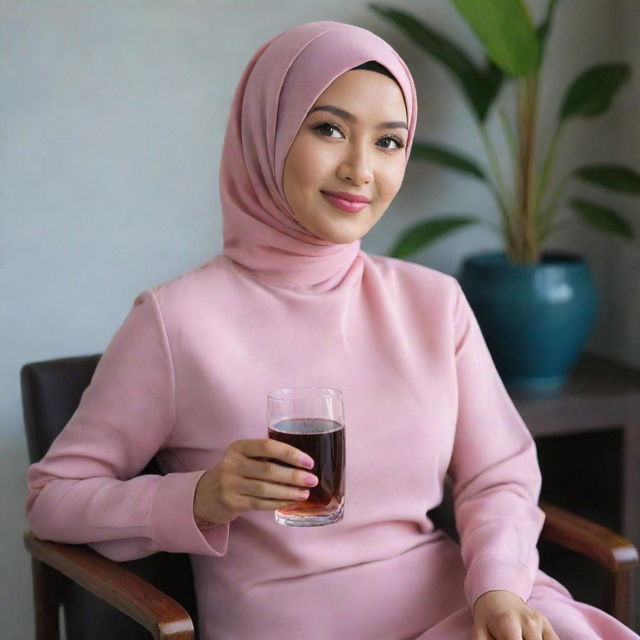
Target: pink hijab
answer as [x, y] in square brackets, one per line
[276, 90]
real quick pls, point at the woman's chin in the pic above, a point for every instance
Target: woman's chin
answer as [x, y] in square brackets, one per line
[340, 237]
[345, 232]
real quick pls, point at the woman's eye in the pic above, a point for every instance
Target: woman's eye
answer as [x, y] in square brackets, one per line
[393, 140]
[332, 130]
[325, 128]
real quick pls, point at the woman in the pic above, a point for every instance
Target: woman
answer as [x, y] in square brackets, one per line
[323, 110]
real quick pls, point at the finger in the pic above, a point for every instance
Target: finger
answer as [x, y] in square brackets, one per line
[248, 503]
[479, 633]
[270, 491]
[548, 633]
[268, 448]
[505, 627]
[235, 498]
[272, 472]
[532, 625]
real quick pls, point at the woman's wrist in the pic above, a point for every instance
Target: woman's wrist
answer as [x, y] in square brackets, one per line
[494, 593]
[204, 512]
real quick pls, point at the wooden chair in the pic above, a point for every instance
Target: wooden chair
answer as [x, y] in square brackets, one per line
[101, 599]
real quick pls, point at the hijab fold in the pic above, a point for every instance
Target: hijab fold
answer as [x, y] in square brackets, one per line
[280, 84]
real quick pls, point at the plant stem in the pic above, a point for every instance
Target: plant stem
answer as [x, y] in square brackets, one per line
[509, 135]
[546, 168]
[548, 213]
[501, 192]
[495, 165]
[528, 245]
[507, 223]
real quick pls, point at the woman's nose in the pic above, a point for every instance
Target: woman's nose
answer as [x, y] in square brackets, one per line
[356, 166]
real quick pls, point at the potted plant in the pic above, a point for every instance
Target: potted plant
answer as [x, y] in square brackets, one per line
[535, 307]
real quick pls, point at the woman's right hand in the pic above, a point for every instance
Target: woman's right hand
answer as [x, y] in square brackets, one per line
[249, 478]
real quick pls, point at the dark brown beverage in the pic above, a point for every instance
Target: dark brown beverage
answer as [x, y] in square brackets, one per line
[323, 440]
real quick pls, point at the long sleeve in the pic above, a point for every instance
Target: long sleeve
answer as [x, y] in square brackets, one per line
[84, 489]
[495, 473]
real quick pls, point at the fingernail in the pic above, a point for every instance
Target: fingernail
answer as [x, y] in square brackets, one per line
[306, 461]
[303, 495]
[310, 480]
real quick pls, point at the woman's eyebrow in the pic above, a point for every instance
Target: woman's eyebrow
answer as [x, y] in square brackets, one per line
[394, 124]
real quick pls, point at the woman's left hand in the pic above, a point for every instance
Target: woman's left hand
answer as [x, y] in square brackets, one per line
[502, 615]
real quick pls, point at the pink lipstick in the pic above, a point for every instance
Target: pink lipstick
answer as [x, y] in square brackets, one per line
[350, 203]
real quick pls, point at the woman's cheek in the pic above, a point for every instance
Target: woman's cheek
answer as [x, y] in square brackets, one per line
[398, 177]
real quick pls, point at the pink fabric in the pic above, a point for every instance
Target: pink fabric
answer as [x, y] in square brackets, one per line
[188, 372]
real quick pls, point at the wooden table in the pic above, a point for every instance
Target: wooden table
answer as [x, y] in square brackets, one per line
[588, 438]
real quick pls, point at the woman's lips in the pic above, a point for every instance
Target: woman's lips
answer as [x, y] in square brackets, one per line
[345, 205]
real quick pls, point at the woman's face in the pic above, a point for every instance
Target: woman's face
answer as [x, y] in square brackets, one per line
[351, 142]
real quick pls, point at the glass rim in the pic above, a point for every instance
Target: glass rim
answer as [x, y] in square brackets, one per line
[325, 392]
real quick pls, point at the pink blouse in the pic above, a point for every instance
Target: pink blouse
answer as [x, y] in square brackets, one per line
[188, 373]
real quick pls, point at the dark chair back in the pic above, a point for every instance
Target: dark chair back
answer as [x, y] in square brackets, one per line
[51, 391]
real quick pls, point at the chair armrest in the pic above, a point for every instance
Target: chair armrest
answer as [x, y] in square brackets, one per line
[113, 583]
[610, 550]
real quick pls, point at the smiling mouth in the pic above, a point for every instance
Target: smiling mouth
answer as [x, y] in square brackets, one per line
[344, 205]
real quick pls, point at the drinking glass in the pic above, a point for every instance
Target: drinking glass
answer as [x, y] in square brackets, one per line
[312, 420]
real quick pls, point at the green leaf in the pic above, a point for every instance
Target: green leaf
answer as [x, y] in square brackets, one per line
[493, 75]
[480, 86]
[505, 29]
[446, 157]
[611, 176]
[602, 218]
[545, 27]
[591, 92]
[425, 233]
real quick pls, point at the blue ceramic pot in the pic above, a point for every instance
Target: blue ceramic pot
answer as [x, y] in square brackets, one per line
[535, 318]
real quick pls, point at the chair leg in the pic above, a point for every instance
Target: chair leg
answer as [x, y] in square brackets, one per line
[47, 594]
[618, 597]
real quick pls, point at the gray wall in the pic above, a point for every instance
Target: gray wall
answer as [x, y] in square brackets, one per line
[113, 115]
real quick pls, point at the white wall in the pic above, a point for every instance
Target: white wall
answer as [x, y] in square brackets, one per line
[112, 117]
